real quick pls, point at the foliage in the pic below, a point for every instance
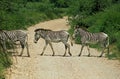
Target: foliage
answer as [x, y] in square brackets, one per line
[61, 3]
[81, 9]
[5, 62]
[21, 14]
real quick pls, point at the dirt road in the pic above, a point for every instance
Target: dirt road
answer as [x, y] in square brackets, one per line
[58, 67]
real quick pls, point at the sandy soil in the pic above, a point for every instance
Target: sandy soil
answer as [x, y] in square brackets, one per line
[58, 67]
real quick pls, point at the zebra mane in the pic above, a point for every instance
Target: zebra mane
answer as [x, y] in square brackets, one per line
[42, 29]
[81, 27]
[85, 29]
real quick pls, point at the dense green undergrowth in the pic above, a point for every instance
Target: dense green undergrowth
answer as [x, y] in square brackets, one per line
[21, 16]
[5, 62]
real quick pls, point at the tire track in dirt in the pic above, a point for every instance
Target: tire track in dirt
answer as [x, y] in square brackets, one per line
[58, 67]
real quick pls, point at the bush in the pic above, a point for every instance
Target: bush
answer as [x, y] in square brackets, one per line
[81, 9]
[20, 15]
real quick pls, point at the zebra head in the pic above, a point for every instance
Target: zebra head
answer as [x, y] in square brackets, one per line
[36, 36]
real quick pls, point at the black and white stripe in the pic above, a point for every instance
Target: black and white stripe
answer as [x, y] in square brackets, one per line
[14, 36]
[52, 36]
[93, 38]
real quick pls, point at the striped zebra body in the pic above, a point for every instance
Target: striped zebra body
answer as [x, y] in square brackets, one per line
[52, 36]
[93, 38]
[14, 36]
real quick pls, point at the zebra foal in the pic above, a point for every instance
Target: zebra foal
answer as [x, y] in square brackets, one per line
[93, 38]
[14, 36]
[52, 36]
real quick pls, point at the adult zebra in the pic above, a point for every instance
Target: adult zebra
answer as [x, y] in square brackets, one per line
[52, 36]
[87, 38]
[14, 36]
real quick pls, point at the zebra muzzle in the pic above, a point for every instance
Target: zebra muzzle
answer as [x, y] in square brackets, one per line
[35, 41]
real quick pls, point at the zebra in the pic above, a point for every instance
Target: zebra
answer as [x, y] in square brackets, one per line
[52, 36]
[93, 38]
[14, 36]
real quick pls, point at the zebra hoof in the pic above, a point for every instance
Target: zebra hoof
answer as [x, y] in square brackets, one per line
[79, 55]
[53, 55]
[41, 54]
[20, 55]
[70, 54]
[64, 55]
[100, 56]
[89, 55]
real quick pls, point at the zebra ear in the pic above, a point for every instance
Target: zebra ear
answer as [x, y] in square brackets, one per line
[76, 27]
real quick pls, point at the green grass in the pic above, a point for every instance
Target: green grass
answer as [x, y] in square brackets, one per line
[34, 12]
[5, 62]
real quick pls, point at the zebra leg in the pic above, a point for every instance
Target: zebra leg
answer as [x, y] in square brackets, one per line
[102, 52]
[44, 48]
[65, 50]
[27, 49]
[52, 49]
[22, 50]
[67, 46]
[69, 50]
[88, 50]
[81, 50]
[23, 46]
